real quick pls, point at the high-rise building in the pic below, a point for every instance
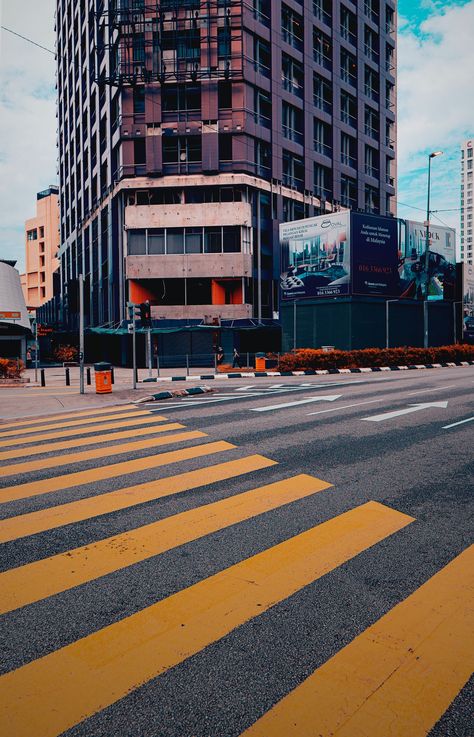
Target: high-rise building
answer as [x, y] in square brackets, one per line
[189, 129]
[41, 249]
[467, 202]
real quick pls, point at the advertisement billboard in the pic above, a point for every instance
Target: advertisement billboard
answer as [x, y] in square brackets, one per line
[441, 264]
[375, 257]
[316, 256]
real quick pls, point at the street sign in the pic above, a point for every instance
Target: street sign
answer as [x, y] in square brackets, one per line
[10, 315]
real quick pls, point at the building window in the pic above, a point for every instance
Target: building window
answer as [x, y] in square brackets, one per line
[371, 44]
[32, 235]
[322, 93]
[180, 97]
[322, 181]
[138, 100]
[371, 84]
[292, 123]
[292, 27]
[348, 25]
[348, 192]
[181, 149]
[263, 109]
[348, 151]
[292, 75]
[225, 147]
[371, 168]
[348, 109]
[322, 137]
[348, 68]
[322, 49]
[156, 241]
[262, 11]
[224, 95]
[322, 10]
[372, 202]
[371, 123]
[136, 243]
[263, 158]
[262, 56]
[193, 240]
[175, 240]
[293, 170]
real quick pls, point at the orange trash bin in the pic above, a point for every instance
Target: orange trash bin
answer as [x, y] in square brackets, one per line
[103, 378]
[260, 362]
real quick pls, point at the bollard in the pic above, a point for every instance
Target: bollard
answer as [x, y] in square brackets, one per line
[136, 375]
[88, 376]
[187, 365]
[157, 365]
[112, 374]
[43, 378]
[68, 379]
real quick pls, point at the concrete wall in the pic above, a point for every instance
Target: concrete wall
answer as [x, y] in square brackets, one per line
[189, 265]
[189, 216]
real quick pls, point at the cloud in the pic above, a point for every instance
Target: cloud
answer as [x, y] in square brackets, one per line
[27, 118]
[435, 104]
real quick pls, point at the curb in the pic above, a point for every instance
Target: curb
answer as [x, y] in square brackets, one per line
[177, 393]
[307, 372]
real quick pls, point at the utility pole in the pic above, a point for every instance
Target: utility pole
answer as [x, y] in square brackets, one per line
[427, 253]
[150, 354]
[81, 333]
[131, 315]
[36, 351]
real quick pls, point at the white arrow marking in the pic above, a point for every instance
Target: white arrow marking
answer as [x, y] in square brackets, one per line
[455, 424]
[343, 406]
[406, 411]
[327, 398]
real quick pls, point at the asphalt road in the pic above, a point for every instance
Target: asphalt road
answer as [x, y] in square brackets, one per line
[297, 610]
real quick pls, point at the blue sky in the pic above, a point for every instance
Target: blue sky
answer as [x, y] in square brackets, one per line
[435, 109]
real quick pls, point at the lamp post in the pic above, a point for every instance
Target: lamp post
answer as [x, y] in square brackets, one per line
[427, 250]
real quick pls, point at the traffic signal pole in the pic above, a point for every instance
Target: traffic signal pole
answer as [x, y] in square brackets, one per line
[134, 349]
[81, 333]
[150, 355]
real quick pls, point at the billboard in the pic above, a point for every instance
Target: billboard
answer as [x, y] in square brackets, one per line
[375, 257]
[316, 256]
[441, 263]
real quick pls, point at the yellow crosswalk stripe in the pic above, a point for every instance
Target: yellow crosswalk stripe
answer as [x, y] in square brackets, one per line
[67, 415]
[132, 422]
[93, 475]
[87, 455]
[65, 514]
[74, 423]
[55, 692]
[36, 581]
[395, 679]
[79, 442]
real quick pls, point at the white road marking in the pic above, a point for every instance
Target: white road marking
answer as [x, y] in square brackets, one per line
[455, 424]
[327, 398]
[433, 389]
[244, 388]
[406, 411]
[344, 406]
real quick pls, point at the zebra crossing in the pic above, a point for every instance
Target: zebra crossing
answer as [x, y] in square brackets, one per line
[395, 679]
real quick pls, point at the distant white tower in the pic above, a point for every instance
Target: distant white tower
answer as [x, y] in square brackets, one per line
[467, 206]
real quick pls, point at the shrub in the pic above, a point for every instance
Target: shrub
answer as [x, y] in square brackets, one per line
[309, 358]
[65, 353]
[11, 368]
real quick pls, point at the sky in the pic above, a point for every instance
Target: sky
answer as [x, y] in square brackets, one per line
[435, 109]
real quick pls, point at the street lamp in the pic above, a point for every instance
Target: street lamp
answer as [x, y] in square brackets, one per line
[427, 249]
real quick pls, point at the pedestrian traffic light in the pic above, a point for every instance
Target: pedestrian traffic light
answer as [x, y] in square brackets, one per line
[145, 314]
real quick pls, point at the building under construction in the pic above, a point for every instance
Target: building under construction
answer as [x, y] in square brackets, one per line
[189, 129]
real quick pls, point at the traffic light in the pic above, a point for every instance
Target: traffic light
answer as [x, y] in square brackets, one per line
[145, 314]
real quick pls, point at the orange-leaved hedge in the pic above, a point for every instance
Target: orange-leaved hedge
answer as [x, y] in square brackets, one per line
[309, 358]
[11, 368]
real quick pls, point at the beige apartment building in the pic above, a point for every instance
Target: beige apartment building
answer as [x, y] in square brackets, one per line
[41, 249]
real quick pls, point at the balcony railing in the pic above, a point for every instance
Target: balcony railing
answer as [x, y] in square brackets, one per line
[321, 14]
[371, 171]
[371, 92]
[348, 77]
[292, 134]
[322, 148]
[348, 119]
[348, 35]
[322, 59]
[348, 160]
[322, 104]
